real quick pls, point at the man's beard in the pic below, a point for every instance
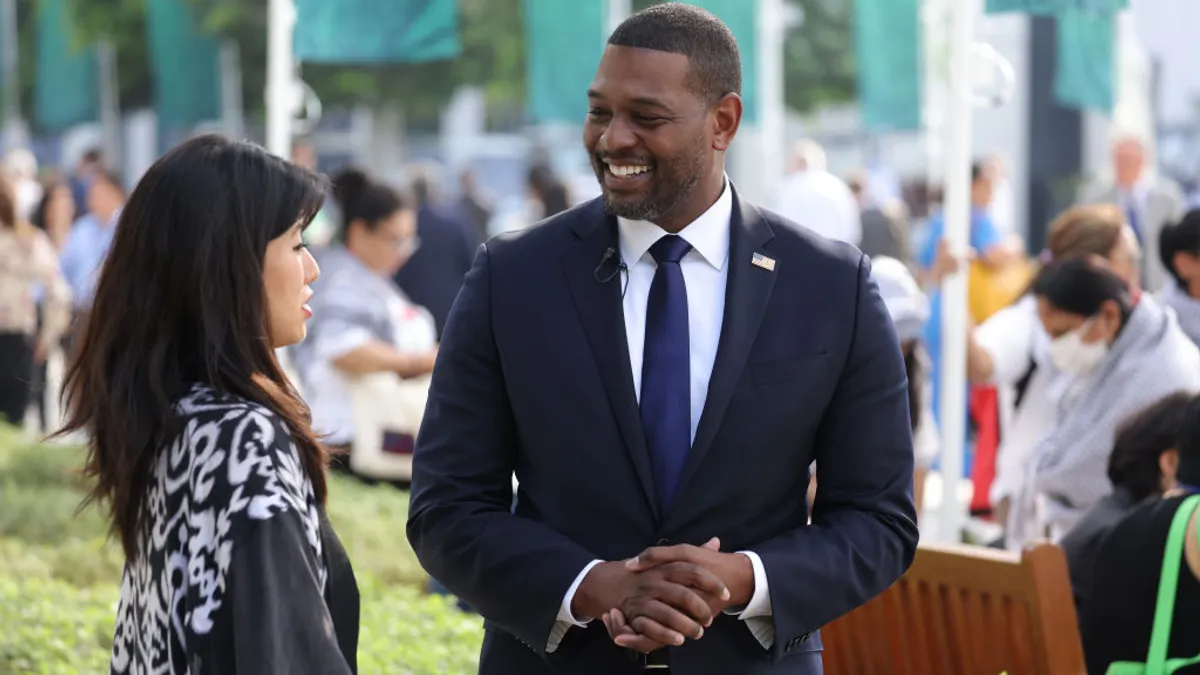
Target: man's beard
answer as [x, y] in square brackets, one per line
[672, 183]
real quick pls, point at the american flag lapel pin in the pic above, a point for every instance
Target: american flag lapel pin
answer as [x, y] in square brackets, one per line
[763, 261]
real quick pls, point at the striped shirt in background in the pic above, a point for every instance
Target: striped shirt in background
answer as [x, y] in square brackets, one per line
[352, 305]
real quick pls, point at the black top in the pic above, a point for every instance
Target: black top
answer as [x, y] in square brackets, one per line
[1083, 541]
[240, 571]
[1117, 619]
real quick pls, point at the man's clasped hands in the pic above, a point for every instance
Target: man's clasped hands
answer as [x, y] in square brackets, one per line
[665, 595]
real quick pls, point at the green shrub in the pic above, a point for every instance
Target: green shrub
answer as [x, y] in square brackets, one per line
[370, 522]
[53, 628]
[407, 633]
[79, 562]
[59, 574]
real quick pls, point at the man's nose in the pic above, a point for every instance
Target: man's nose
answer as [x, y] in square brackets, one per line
[618, 136]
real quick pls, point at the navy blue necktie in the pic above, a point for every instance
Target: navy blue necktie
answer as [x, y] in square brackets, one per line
[666, 402]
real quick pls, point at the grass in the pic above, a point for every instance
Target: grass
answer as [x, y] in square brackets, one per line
[59, 574]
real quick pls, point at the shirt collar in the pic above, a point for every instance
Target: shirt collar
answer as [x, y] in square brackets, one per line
[708, 234]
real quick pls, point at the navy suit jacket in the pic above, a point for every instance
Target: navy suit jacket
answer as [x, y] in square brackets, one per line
[534, 377]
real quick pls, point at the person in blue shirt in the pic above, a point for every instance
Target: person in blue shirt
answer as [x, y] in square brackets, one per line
[988, 244]
[91, 236]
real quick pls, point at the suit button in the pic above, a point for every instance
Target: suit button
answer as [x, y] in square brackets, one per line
[663, 542]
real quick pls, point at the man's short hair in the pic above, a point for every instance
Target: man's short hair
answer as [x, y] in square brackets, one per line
[714, 63]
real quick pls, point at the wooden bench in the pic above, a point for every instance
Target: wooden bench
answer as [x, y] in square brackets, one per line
[964, 610]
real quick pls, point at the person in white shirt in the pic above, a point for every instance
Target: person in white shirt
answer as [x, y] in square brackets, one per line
[817, 199]
[362, 322]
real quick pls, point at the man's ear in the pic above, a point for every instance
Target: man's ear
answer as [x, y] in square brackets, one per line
[726, 118]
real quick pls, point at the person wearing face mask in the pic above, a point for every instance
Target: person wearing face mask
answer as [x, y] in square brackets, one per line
[1120, 352]
[1011, 351]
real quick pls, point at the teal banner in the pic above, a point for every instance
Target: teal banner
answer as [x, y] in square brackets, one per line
[185, 63]
[563, 43]
[369, 32]
[887, 41]
[66, 89]
[1047, 7]
[742, 18]
[1085, 70]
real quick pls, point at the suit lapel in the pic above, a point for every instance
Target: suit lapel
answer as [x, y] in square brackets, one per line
[600, 310]
[746, 294]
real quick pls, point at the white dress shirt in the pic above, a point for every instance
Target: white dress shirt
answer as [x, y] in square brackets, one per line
[705, 272]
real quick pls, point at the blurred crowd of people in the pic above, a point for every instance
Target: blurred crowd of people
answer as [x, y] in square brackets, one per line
[1083, 371]
[1082, 359]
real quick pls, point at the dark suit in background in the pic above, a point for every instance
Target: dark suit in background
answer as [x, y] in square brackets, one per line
[432, 277]
[534, 376]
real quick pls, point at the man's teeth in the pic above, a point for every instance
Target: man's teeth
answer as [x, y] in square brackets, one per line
[625, 171]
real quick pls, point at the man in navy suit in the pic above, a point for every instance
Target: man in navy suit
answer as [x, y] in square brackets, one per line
[660, 367]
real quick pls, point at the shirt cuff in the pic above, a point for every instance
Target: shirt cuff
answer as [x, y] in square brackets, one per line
[758, 613]
[760, 601]
[565, 618]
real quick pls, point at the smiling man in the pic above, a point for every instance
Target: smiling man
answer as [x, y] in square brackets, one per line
[660, 367]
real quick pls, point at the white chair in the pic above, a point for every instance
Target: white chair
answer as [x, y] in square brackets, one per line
[389, 408]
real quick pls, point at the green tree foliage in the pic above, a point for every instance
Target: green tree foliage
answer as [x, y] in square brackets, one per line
[819, 62]
[819, 66]
[493, 55]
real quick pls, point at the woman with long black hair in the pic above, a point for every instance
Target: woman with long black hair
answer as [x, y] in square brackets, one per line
[199, 446]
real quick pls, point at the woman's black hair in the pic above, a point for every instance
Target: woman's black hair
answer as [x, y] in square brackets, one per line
[1180, 237]
[1079, 286]
[181, 301]
[362, 198]
[1142, 439]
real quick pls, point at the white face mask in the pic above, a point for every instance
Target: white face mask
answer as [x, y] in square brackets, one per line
[1071, 354]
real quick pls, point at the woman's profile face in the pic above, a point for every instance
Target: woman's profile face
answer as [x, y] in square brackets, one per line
[288, 269]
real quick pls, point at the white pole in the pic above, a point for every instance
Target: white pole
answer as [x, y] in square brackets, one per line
[110, 105]
[772, 28]
[933, 15]
[10, 108]
[281, 76]
[618, 11]
[232, 115]
[957, 178]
